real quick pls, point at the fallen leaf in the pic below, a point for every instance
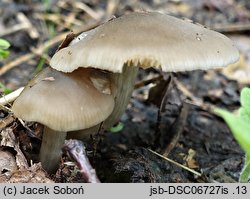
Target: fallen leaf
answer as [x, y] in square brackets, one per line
[33, 174]
[191, 162]
[9, 139]
[7, 161]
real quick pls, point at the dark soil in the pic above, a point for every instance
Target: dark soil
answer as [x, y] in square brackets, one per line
[205, 143]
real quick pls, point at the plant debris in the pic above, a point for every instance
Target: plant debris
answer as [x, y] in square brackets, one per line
[193, 136]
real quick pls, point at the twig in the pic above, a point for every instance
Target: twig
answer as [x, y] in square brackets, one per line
[167, 84]
[176, 163]
[148, 81]
[230, 28]
[87, 9]
[6, 121]
[23, 25]
[176, 129]
[5, 108]
[41, 55]
[111, 7]
[16, 62]
[40, 49]
[76, 150]
[72, 20]
[195, 101]
[30, 132]
[179, 124]
[31, 30]
[10, 97]
[202, 105]
[185, 90]
[65, 22]
[96, 138]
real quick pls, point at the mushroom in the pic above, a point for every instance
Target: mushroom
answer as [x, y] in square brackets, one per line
[144, 40]
[119, 46]
[64, 102]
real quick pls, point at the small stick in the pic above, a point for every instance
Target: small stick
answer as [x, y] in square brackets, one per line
[71, 20]
[147, 81]
[202, 105]
[24, 24]
[195, 101]
[176, 130]
[232, 28]
[176, 163]
[87, 9]
[16, 62]
[10, 97]
[178, 126]
[13, 29]
[96, 139]
[76, 150]
[31, 30]
[30, 132]
[42, 48]
[185, 90]
[59, 20]
[161, 108]
[112, 6]
[6, 121]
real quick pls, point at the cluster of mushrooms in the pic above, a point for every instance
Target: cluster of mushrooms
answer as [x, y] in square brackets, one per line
[90, 81]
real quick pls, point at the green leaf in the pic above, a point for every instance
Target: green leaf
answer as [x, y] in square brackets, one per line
[245, 99]
[40, 65]
[245, 173]
[4, 44]
[5, 89]
[117, 128]
[4, 54]
[239, 127]
[244, 110]
[244, 114]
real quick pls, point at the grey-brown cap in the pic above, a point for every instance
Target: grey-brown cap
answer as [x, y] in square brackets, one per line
[147, 40]
[66, 102]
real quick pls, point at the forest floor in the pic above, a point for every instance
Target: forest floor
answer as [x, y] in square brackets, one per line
[200, 144]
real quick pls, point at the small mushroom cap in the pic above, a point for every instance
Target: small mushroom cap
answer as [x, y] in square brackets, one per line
[147, 40]
[64, 102]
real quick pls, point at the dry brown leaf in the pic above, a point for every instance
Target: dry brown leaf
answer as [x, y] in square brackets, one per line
[240, 71]
[191, 162]
[6, 121]
[34, 174]
[7, 161]
[9, 139]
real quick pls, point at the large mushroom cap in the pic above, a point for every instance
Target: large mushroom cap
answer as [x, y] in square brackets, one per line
[147, 40]
[65, 102]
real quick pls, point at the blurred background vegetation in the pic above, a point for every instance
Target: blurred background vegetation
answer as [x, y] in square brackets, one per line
[35, 28]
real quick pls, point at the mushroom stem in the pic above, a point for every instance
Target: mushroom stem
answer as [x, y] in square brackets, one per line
[124, 85]
[51, 149]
